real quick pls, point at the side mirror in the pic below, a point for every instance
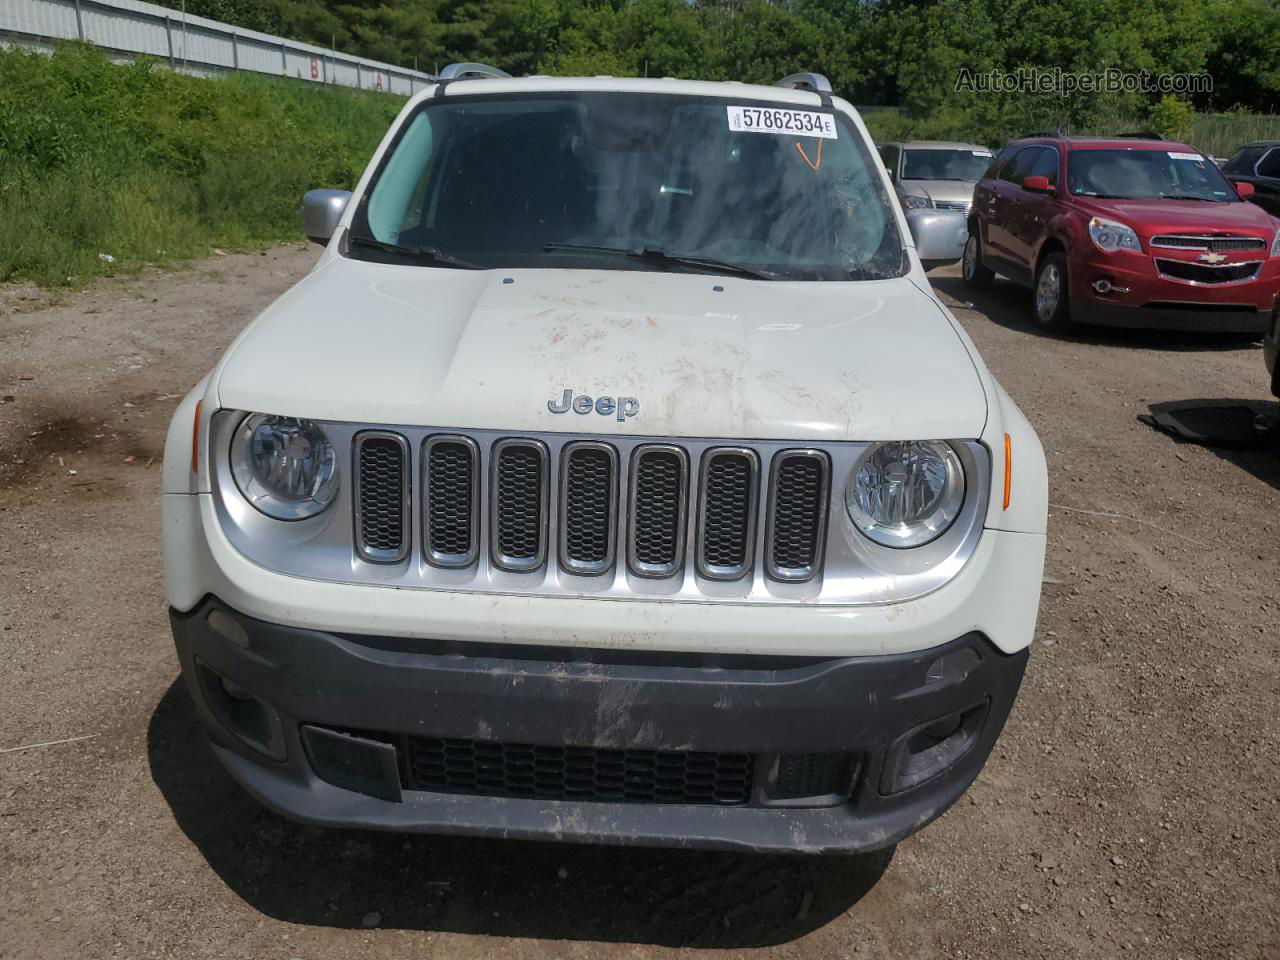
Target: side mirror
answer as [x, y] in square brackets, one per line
[939, 235]
[1243, 188]
[321, 212]
[1037, 184]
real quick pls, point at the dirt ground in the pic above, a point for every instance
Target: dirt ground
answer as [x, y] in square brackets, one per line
[1132, 807]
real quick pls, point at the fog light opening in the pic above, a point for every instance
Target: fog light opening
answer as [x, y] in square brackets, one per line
[250, 720]
[1104, 286]
[929, 749]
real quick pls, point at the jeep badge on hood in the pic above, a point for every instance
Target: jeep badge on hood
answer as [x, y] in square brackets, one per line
[624, 407]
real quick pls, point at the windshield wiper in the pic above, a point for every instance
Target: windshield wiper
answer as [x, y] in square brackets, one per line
[429, 254]
[655, 254]
[1188, 196]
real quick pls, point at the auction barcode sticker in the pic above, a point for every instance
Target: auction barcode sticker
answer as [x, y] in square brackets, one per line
[1184, 156]
[795, 123]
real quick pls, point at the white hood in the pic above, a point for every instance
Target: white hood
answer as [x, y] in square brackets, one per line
[392, 344]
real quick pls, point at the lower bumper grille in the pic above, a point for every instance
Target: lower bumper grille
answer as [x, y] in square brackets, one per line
[493, 768]
[1204, 273]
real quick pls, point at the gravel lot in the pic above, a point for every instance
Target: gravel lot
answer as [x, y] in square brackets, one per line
[1132, 805]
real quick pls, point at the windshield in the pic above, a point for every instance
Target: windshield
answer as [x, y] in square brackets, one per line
[969, 164]
[1140, 174]
[646, 181]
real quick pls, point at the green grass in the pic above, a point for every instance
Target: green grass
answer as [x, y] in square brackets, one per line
[1221, 134]
[151, 166]
[1217, 134]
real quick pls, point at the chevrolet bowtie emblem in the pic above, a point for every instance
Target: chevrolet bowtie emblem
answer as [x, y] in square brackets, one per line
[1211, 257]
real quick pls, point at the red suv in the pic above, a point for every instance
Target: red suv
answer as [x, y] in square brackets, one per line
[1126, 233]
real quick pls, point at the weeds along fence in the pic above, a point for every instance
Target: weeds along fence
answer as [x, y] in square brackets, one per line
[127, 29]
[1221, 134]
[105, 167]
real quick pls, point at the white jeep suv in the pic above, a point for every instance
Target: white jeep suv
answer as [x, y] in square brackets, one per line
[614, 476]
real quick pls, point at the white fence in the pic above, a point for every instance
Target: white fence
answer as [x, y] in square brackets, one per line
[129, 28]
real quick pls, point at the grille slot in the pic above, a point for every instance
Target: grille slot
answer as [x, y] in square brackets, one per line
[1206, 273]
[797, 514]
[518, 523]
[381, 496]
[813, 775]
[588, 507]
[659, 502]
[727, 516]
[451, 471]
[1213, 244]
[495, 768]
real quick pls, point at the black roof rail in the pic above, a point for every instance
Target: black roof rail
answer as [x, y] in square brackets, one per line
[806, 81]
[1139, 135]
[471, 71]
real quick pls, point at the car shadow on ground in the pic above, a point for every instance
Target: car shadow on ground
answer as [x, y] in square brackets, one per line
[1225, 427]
[1008, 305]
[346, 878]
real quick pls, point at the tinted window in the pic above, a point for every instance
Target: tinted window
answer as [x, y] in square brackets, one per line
[939, 164]
[1245, 160]
[1046, 165]
[1020, 165]
[1170, 174]
[889, 156]
[1270, 165]
[998, 163]
[495, 179]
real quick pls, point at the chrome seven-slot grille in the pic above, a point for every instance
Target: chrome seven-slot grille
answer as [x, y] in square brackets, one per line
[658, 484]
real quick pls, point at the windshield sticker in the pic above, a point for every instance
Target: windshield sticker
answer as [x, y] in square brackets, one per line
[804, 123]
[1186, 156]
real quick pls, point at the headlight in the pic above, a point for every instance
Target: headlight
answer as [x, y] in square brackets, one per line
[905, 494]
[1110, 236]
[1275, 245]
[910, 201]
[285, 467]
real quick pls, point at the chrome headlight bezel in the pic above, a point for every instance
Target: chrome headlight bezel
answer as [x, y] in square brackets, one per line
[856, 571]
[927, 527]
[912, 201]
[1112, 236]
[259, 490]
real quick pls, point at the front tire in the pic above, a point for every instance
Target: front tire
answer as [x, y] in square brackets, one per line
[971, 268]
[1050, 302]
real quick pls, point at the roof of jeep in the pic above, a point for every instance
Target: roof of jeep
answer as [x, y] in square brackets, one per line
[668, 85]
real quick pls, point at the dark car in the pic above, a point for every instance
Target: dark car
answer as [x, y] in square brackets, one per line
[1124, 232]
[1258, 164]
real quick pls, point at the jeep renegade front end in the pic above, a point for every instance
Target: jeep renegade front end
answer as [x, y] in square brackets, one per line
[615, 475]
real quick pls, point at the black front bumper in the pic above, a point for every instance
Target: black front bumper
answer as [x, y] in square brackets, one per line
[1172, 316]
[327, 729]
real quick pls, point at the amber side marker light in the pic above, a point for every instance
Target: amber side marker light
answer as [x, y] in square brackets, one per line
[1008, 469]
[195, 449]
